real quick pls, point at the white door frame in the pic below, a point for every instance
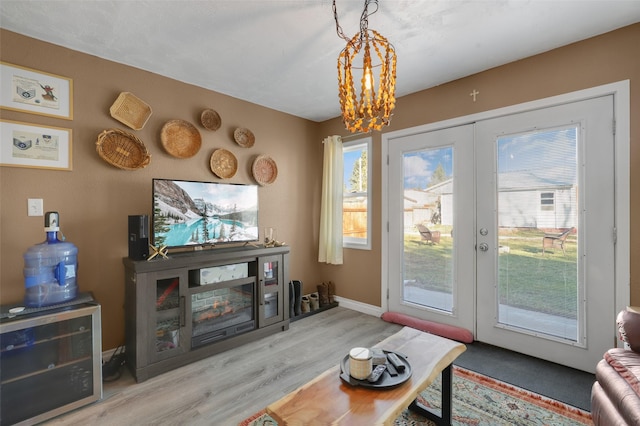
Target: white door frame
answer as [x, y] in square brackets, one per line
[621, 99]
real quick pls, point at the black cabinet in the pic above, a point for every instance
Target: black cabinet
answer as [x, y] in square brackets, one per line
[50, 362]
[195, 304]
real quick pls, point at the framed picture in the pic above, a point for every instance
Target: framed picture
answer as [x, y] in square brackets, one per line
[40, 147]
[26, 90]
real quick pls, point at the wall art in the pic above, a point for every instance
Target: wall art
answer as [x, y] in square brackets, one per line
[36, 92]
[40, 147]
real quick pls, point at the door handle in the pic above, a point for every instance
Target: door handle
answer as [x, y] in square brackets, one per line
[261, 292]
[183, 312]
[484, 247]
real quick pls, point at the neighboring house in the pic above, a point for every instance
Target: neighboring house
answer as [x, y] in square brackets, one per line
[421, 204]
[530, 201]
[525, 201]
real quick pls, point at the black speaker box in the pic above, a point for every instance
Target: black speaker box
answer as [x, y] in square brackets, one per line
[139, 237]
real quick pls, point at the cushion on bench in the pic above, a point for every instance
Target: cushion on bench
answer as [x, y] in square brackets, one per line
[443, 330]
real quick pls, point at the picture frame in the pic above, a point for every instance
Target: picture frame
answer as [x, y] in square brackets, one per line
[26, 90]
[38, 147]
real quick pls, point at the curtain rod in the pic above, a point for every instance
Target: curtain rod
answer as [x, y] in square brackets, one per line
[354, 135]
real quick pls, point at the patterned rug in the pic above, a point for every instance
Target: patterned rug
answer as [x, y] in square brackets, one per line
[481, 401]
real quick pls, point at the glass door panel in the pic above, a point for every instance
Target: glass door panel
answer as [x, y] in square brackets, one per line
[168, 315]
[428, 220]
[271, 290]
[537, 231]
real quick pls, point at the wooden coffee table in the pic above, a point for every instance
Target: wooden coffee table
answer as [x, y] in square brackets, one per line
[328, 400]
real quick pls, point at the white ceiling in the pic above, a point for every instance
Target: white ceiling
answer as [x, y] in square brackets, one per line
[283, 54]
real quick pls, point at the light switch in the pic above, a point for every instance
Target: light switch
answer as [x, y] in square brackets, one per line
[35, 207]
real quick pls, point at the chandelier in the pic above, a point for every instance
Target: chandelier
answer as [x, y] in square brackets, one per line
[368, 58]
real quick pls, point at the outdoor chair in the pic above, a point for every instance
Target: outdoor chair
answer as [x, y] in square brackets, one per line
[427, 235]
[550, 240]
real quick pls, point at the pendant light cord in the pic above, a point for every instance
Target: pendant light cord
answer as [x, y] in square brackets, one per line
[364, 19]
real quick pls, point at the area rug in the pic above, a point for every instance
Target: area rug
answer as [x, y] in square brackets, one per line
[479, 400]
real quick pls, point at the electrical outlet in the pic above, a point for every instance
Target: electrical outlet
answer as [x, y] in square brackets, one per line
[35, 207]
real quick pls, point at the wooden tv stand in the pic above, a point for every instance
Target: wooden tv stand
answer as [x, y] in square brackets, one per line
[164, 302]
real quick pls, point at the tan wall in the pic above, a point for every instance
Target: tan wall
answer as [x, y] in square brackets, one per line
[94, 199]
[604, 59]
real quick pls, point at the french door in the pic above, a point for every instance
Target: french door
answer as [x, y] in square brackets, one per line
[519, 239]
[550, 170]
[431, 244]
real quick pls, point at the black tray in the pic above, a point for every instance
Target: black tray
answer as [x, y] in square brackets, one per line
[385, 382]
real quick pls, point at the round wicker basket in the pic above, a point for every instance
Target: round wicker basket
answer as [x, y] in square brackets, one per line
[223, 163]
[244, 137]
[265, 170]
[210, 119]
[122, 150]
[180, 138]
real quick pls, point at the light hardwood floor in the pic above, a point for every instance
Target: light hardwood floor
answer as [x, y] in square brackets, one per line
[229, 387]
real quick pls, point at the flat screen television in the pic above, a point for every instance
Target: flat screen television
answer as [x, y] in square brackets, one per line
[191, 213]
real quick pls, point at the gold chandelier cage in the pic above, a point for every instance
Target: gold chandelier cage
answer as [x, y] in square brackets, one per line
[368, 58]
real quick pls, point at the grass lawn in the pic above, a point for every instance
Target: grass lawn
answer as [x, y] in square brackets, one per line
[528, 279]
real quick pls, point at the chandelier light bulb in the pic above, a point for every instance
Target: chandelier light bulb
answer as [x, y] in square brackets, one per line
[368, 79]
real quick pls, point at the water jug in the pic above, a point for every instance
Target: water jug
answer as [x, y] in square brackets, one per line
[50, 268]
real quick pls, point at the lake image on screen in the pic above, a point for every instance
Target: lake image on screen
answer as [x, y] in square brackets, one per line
[198, 213]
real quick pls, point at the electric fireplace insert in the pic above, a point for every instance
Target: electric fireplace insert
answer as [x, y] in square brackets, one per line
[221, 312]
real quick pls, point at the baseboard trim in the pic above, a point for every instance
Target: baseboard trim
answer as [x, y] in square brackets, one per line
[354, 305]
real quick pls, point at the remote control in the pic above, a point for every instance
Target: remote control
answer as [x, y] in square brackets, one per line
[395, 361]
[376, 373]
[391, 370]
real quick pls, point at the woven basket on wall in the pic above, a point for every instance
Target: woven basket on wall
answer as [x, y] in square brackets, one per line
[265, 170]
[210, 119]
[223, 163]
[122, 150]
[180, 138]
[244, 137]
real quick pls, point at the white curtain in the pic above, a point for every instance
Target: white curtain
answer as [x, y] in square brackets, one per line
[330, 250]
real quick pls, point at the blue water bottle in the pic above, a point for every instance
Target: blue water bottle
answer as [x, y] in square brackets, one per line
[50, 268]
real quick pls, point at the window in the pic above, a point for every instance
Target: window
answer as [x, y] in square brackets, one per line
[356, 204]
[546, 201]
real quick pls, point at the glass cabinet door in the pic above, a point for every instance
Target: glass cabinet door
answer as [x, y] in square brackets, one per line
[271, 308]
[167, 320]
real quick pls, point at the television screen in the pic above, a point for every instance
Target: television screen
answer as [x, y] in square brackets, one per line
[189, 213]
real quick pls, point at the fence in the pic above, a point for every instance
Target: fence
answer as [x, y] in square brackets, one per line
[354, 220]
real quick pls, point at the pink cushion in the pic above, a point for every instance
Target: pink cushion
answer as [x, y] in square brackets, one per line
[443, 330]
[628, 323]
